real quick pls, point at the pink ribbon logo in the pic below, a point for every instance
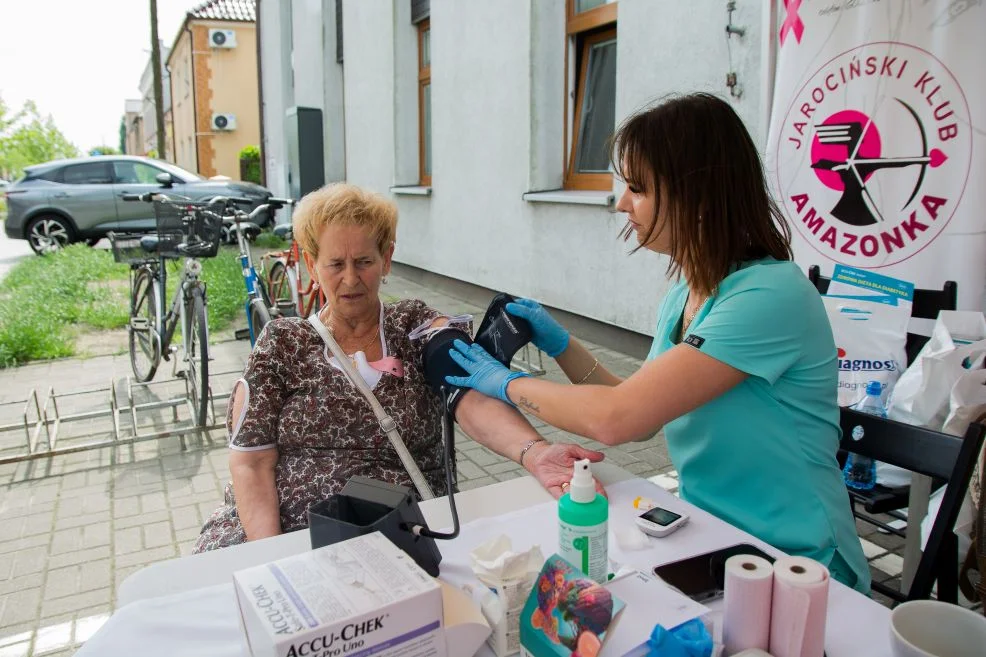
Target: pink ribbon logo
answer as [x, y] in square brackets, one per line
[793, 22]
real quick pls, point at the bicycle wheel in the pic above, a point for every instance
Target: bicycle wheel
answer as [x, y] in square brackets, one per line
[196, 337]
[281, 291]
[259, 316]
[145, 343]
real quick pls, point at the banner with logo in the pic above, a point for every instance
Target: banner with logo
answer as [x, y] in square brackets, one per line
[877, 144]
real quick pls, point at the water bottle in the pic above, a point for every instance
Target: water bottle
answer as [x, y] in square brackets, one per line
[860, 471]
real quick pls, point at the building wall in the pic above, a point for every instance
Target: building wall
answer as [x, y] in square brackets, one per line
[369, 92]
[202, 82]
[169, 137]
[183, 103]
[498, 118]
[135, 133]
[148, 111]
[278, 85]
[209, 80]
[226, 83]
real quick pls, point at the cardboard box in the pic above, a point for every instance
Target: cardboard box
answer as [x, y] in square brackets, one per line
[358, 597]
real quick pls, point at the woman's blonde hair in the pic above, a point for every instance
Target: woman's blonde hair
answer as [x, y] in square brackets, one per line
[340, 204]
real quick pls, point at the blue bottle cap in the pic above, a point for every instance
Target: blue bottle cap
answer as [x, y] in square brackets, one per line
[874, 388]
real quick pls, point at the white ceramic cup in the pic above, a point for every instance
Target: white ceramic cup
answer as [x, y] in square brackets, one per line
[928, 628]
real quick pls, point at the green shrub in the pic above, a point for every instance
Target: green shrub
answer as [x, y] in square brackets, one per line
[250, 164]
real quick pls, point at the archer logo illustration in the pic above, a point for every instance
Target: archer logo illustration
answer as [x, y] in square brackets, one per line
[846, 153]
[874, 154]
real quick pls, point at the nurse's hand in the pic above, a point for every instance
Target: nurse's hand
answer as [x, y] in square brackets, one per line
[549, 336]
[552, 465]
[486, 374]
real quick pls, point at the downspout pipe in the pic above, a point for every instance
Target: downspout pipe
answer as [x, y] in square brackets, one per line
[260, 94]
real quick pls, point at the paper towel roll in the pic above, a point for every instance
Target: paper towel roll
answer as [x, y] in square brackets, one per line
[749, 587]
[800, 603]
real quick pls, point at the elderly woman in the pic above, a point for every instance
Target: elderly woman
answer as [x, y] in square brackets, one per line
[299, 429]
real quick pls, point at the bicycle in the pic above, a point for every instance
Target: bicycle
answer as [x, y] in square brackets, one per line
[185, 229]
[285, 278]
[259, 308]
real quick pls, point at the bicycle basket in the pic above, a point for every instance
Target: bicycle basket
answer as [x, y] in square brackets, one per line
[186, 229]
[127, 248]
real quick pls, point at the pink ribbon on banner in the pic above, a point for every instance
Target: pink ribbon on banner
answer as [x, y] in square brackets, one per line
[793, 22]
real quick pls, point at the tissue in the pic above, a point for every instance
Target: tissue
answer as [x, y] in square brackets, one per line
[511, 575]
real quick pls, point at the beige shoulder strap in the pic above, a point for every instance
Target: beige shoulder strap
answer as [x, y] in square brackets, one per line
[386, 422]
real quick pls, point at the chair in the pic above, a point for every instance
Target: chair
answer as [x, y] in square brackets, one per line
[937, 455]
[926, 305]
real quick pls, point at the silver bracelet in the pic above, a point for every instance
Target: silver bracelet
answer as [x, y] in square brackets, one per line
[529, 445]
[589, 373]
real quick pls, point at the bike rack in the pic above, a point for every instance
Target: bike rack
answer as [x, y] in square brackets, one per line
[47, 420]
[31, 438]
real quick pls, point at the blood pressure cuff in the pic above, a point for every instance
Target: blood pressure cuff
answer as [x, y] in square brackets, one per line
[438, 364]
[501, 334]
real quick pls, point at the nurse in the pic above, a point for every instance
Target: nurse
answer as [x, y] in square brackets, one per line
[742, 375]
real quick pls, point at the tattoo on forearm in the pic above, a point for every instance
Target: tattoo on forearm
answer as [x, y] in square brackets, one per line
[529, 405]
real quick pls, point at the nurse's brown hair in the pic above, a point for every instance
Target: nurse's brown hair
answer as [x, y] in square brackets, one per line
[698, 157]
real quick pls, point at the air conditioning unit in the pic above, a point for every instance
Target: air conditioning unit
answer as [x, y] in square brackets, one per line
[222, 38]
[224, 122]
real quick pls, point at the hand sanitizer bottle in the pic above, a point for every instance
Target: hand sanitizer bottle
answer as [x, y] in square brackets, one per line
[582, 518]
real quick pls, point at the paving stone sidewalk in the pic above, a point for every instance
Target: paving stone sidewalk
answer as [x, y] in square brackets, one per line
[73, 527]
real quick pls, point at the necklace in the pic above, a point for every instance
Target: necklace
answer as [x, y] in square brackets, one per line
[690, 317]
[374, 335]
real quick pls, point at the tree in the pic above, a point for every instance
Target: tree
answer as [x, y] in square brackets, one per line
[28, 138]
[158, 86]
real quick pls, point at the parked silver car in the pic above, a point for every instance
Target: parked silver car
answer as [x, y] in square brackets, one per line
[67, 201]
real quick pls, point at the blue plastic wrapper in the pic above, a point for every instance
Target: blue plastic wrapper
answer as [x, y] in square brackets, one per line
[689, 639]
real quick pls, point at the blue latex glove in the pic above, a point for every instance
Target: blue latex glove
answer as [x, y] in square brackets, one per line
[486, 374]
[689, 639]
[549, 336]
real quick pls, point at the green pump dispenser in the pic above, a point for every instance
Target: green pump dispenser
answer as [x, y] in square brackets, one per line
[582, 525]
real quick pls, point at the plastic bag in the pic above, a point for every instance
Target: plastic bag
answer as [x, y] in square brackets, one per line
[870, 337]
[957, 345]
[966, 404]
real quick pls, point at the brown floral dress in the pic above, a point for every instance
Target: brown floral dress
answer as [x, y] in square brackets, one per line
[323, 428]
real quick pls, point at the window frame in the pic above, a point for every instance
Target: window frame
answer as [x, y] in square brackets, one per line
[106, 165]
[134, 164]
[424, 80]
[600, 24]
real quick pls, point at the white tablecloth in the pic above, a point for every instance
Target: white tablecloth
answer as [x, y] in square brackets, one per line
[204, 621]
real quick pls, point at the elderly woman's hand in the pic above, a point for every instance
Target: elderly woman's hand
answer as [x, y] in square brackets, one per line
[552, 464]
[486, 374]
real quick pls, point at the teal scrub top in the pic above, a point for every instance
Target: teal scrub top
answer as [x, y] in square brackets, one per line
[762, 456]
